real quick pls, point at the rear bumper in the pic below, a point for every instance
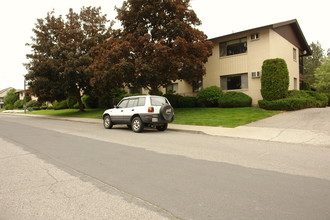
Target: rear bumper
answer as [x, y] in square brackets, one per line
[153, 119]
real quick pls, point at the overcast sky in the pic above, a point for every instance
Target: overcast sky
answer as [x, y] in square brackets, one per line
[18, 17]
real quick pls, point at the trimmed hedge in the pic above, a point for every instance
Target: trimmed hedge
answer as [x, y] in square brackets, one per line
[296, 100]
[274, 79]
[235, 100]
[174, 99]
[187, 102]
[179, 101]
[209, 97]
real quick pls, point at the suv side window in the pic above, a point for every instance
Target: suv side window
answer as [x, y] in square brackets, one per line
[132, 103]
[141, 101]
[158, 101]
[123, 104]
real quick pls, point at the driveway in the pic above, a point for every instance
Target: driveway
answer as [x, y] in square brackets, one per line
[314, 119]
[308, 126]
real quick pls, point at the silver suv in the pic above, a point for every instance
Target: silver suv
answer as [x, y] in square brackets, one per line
[140, 111]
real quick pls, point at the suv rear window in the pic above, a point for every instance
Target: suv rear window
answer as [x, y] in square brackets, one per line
[157, 101]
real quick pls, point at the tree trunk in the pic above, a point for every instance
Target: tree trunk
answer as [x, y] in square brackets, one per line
[81, 105]
[154, 90]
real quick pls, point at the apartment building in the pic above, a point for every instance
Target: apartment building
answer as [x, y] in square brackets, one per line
[237, 58]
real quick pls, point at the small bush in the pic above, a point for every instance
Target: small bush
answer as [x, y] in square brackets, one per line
[43, 107]
[174, 99]
[19, 104]
[33, 103]
[50, 108]
[60, 105]
[321, 99]
[328, 95]
[209, 97]
[9, 107]
[235, 100]
[187, 102]
[71, 101]
[89, 101]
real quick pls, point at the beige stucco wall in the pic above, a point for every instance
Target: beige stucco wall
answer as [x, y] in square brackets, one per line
[269, 45]
[281, 48]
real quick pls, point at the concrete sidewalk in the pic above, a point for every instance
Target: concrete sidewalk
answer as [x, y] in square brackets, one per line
[286, 135]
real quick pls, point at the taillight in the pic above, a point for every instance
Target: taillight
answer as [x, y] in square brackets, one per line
[150, 109]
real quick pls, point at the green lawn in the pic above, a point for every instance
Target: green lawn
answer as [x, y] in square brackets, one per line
[89, 113]
[226, 117]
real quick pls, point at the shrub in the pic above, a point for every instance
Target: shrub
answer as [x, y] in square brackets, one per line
[234, 100]
[60, 105]
[9, 107]
[274, 79]
[321, 99]
[19, 104]
[71, 101]
[174, 99]
[43, 107]
[296, 100]
[112, 98]
[33, 103]
[210, 96]
[89, 101]
[328, 95]
[187, 102]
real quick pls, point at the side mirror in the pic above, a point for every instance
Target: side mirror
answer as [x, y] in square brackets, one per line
[115, 106]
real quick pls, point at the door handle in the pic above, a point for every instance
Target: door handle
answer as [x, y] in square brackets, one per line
[132, 110]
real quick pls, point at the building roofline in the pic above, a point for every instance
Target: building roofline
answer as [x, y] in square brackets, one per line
[293, 23]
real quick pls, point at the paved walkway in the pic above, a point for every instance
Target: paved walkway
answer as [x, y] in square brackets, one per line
[309, 126]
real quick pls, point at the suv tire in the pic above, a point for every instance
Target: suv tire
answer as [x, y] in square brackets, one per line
[162, 127]
[137, 125]
[167, 112]
[107, 122]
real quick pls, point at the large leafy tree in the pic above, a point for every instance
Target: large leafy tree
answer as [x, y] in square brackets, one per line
[322, 77]
[58, 64]
[312, 62]
[158, 43]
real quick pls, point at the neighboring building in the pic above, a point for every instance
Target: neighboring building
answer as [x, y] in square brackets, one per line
[236, 61]
[3, 93]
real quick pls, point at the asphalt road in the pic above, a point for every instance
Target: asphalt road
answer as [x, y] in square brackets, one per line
[158, 174]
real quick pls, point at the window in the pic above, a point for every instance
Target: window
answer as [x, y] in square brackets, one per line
[255, 36]
[233, 82]
[123, 103]
[141, 101]
[233, 47]
[158, 101]
[294, 54]
[256, 74]
[197, 86]
[173, 88]
[132, 103]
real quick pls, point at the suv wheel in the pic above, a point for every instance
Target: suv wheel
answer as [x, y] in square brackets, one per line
[137, 125]
[162, 127]
[167, 112]
[107, 122]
